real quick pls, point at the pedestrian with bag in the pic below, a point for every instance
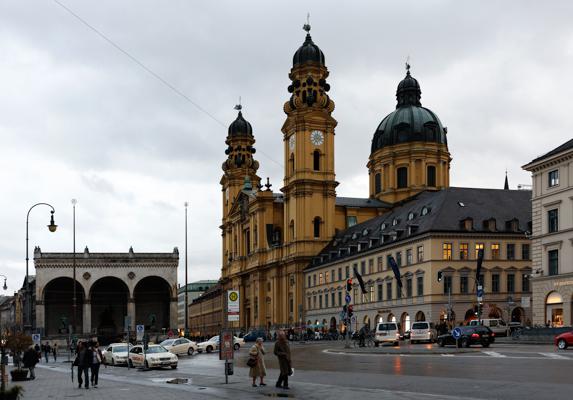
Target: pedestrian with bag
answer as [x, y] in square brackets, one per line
[96, 363]
[83, 361]
[30, 360]
[256, 362]
[55, 351]
[282, 351]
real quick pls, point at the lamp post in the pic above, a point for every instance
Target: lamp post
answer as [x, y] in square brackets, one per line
[3, 347]
[52, 228]
[186, 274]
[74, 300]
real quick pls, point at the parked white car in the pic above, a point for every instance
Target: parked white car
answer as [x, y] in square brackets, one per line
[116, 353]
[213, 344]
[180, 346]
[423, 331]
[155, 356]
[387, 332]
[497, 325]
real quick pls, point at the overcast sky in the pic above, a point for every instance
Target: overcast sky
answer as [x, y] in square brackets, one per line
[80, 119]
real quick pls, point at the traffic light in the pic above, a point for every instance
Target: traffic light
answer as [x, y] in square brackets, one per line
[440, 276]
[344, 308]
[349, 285]
[350, 310]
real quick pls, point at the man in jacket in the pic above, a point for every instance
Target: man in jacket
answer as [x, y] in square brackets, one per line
[30, 360]
[84, 359]
[282, 351]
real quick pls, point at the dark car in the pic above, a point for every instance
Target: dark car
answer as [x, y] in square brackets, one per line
[564, 340]
[253, 335]
[470, 335]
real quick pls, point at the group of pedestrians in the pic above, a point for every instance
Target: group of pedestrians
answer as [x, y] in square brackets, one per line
[88, 359]
[257, 362]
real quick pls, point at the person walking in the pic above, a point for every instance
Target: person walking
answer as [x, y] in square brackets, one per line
[83, 361]
[282, 351]
[30, 360]
[55, 351]
[258, 369]
[47, 351]
[96, 363]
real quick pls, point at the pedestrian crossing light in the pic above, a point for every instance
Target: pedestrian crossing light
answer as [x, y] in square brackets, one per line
[440, 276]
[350, 310]
[349, 285]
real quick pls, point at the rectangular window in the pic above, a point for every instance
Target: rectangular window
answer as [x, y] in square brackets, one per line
[399, 258]
[402, 177]
[398, 292]
[319, 301]
[308, 281]
[495, 283]
[326, 300]
[511, 251]
[363, 268]
[420, 282]
[446, 251]
[464, 287]
[510, 283]
[388, 257]
[371, 295]
[320, 279]
[377, 183]
[420, 254]
[380, 298]
[371, 266]
[431, 175]
[388, 290]
[495, 251]
[339, 274]
[409, 287]
[340, 298]
[464, 251]
[380, 264]
[314, 302]
[347, 272]
[525, 251]
[314, 280]
[409, 258]
[308, 303]
[524, 283]
[248, 240]
[479, 246]
[355, 296]
[447, 284]
[553, 178]
[326, 277]
[332, 276]
[553, 258]
[351, 221]
[553, 220]
[332, 299]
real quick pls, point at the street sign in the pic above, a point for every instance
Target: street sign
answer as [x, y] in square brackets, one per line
[170, 334]
[140, 331]
[36, 338]
[353, 319]
[226, 351]
[480, 293]
[233, 305]
[347, 298]
[457, 333]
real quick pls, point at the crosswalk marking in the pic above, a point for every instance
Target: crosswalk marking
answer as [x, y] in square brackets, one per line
[494, 354]
[554, 356]
[447, 355]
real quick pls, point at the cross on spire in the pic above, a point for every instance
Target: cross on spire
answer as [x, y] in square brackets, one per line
[408, 64]
[239, 106]
[306, 26]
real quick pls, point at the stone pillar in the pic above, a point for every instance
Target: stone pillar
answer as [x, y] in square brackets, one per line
[173, 313]
[40, 317]
[87, 317]
[131, 312]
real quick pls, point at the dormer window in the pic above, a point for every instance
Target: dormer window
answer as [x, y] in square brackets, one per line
[395, 222]
[425, 210]
[489, 224]
[512, 225]
[410, 216]
[354, 236]
[383, 226]
[365, 232]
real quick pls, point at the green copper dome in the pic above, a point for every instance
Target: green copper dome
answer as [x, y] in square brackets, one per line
[410, 122]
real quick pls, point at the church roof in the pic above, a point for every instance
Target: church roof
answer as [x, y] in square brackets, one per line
[361, 202]
[434, 211]
[564, 147]
[308, 52]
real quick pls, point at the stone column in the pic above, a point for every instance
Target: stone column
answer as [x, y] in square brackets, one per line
[87, 317]
[40, 317]
[131, 312]
[173, 313]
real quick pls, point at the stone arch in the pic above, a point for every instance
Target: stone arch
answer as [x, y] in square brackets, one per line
[152, 297]
[517, 315]
[420, 316]
[332, 323]
[108, 299]
[366, 321]
[494, 312]
[379, 319]
[391, 318]
[554, 308]
[58, 306]
[404, 322]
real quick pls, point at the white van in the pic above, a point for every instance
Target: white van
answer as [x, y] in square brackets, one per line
[387, 332]
[497, 325]
[423, 331]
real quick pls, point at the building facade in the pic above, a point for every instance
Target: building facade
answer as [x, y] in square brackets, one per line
[109, 287]
[432, 232]
[194, 290]
[552, 235]
[206, 313]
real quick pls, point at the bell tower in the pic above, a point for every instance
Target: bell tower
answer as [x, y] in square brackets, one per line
[308, 137]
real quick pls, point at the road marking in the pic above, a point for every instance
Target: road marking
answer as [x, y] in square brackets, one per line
[447, 355]
[555, 356]
[494, 354]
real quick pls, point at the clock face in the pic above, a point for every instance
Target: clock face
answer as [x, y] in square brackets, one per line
[317, 138]
[291, 142]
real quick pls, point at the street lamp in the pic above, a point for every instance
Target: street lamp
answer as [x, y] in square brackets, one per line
[186, 273]
[74, 300]
[3, 350]
[4, 287]
[52, 228]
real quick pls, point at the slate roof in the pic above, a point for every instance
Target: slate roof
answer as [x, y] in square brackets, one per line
[446, 209]
[565, 146]
[361, 202]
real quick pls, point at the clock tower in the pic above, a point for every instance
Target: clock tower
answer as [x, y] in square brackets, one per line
[308, 136]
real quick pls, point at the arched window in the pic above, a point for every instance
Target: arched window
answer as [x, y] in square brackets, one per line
[431, 175]
[377, 183]
[316, 160]
[402, 174]
[316, 226]
[291, 162]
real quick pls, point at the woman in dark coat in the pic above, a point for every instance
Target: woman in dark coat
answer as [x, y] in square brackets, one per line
[282, 351]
